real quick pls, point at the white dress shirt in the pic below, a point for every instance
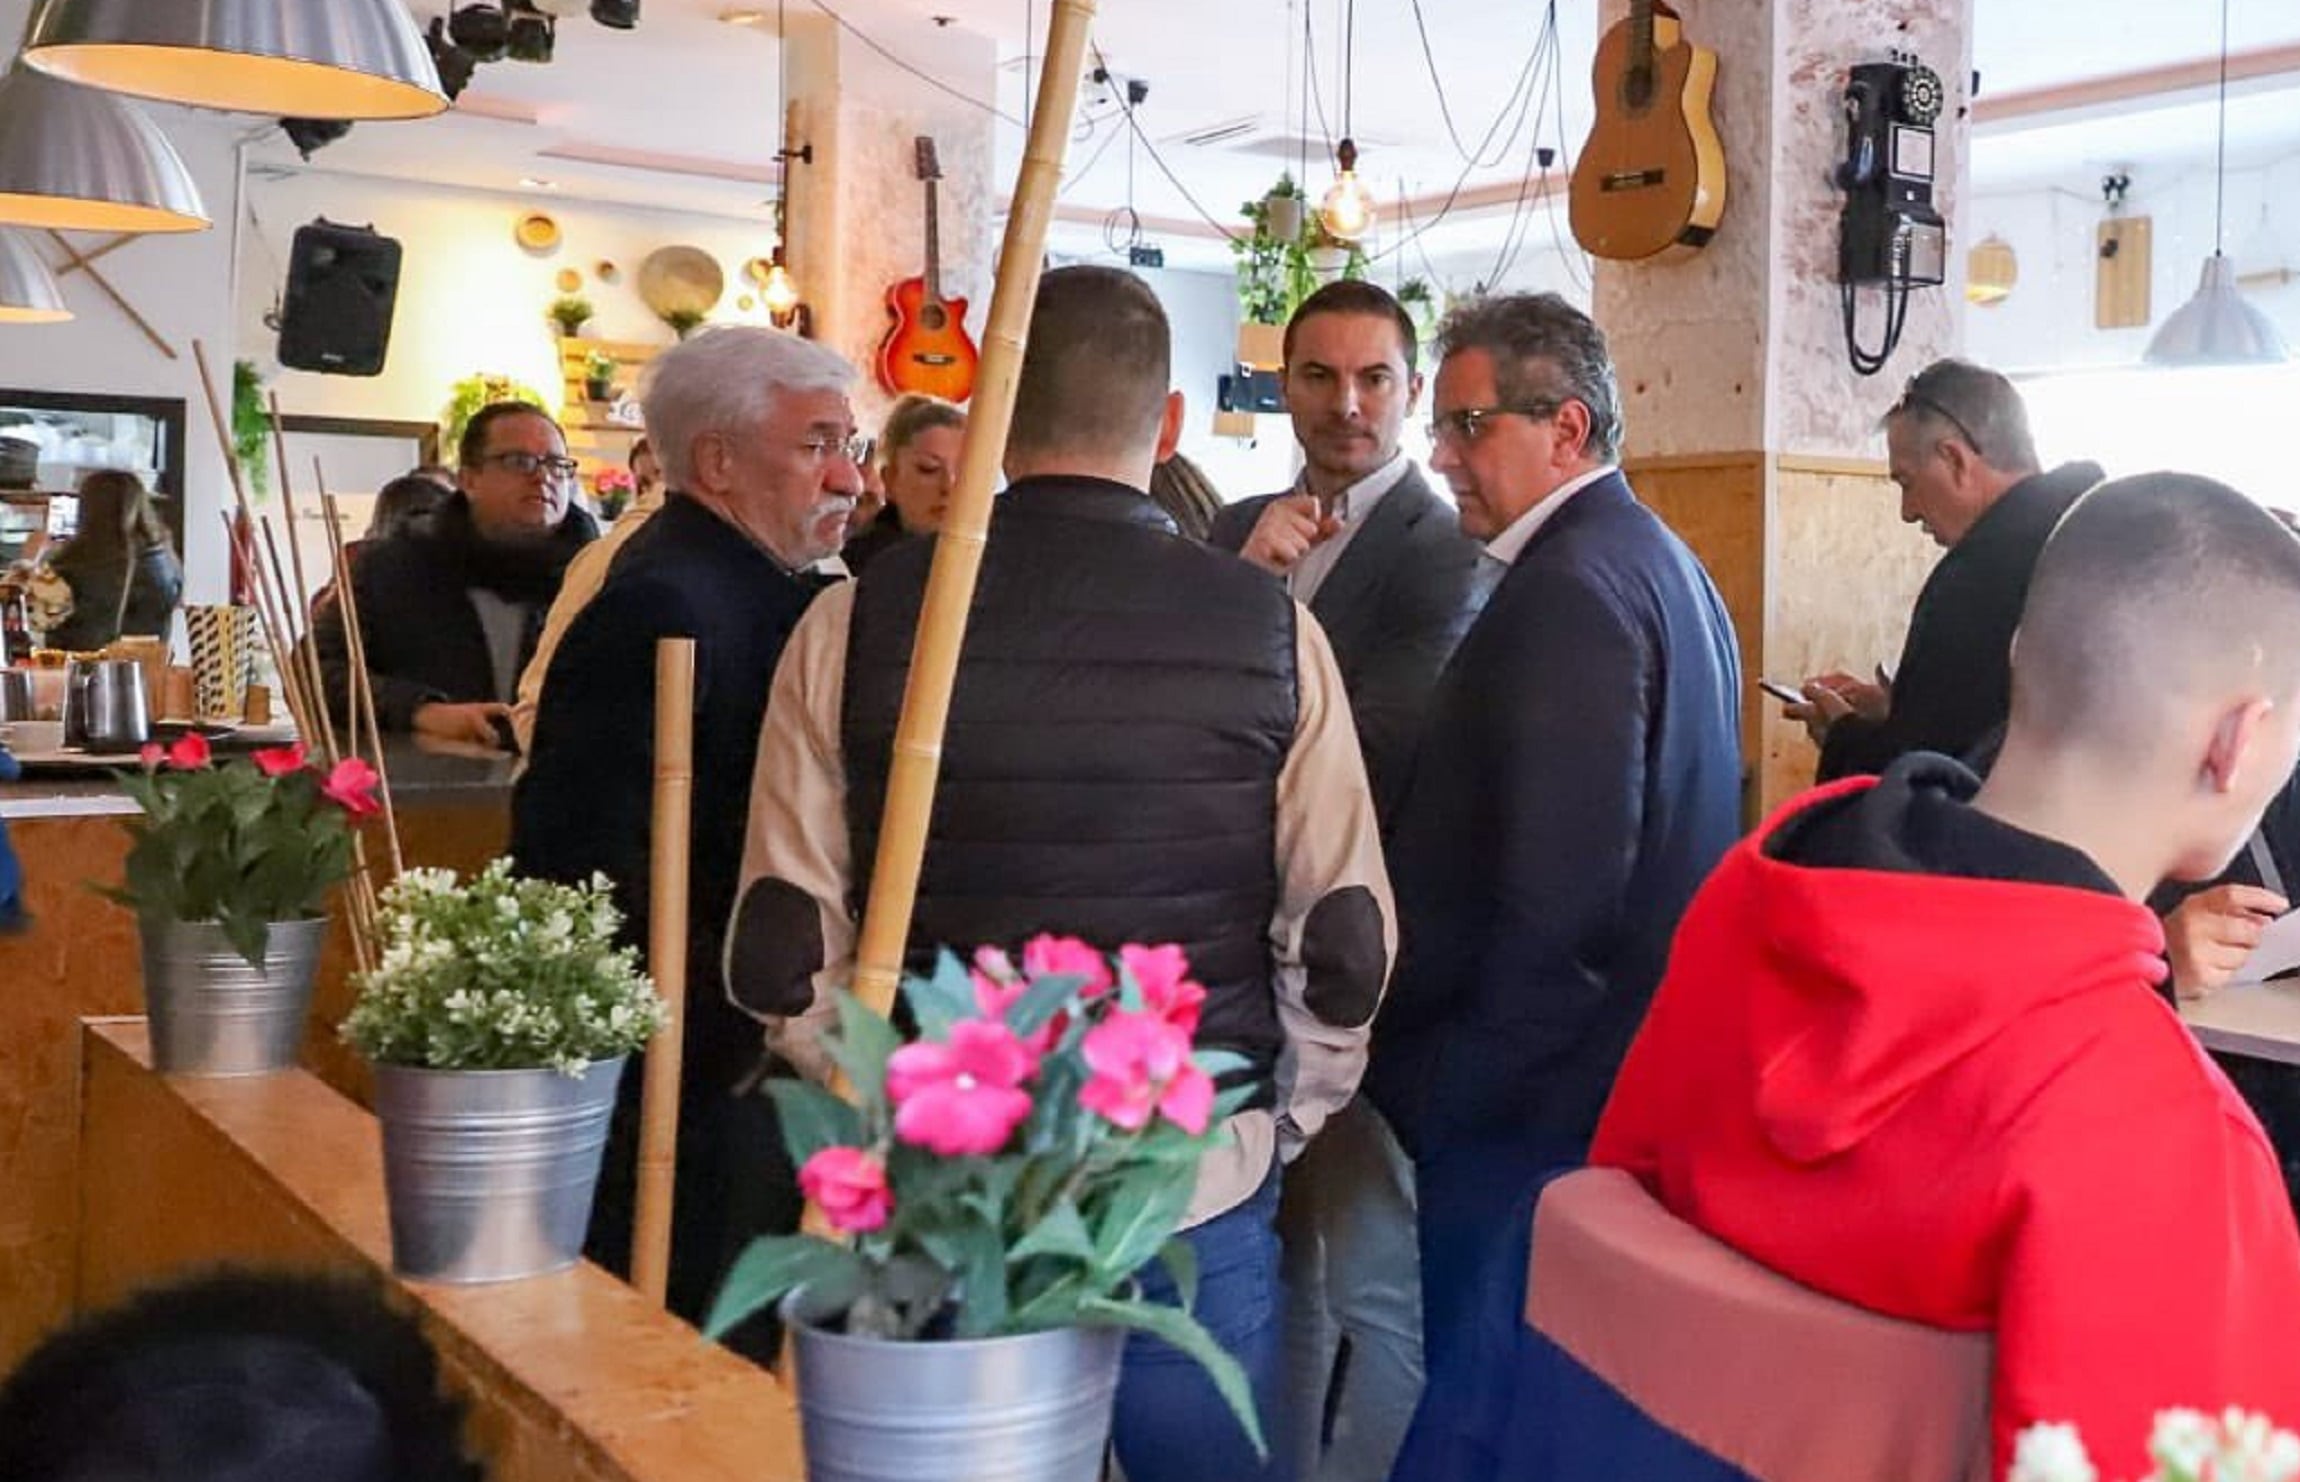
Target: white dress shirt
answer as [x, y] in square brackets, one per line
[1351, 507]
[1507, 546]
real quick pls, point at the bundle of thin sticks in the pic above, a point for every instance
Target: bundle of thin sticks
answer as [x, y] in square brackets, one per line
[286, 621]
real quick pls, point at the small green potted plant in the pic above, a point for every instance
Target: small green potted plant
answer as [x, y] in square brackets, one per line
[468, 395]
[228, 871]
[1420, 301]
[570, 313]
[683, 322]
[599, 376]
[998, 1187]
[498, 1017]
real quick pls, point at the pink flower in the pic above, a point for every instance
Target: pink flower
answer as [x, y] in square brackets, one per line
[961, 1098]
[190, 751]
[1051, 956]
[997, 988]
[279, 761]
[352, 787]
[1141, 1064]
[849, 1186]
[152, 754]
[1163, 974]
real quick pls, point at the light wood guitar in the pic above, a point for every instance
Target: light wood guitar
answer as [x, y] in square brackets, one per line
[1651, 179]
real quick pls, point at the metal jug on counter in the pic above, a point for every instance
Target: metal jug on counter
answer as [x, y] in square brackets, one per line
[105, 707]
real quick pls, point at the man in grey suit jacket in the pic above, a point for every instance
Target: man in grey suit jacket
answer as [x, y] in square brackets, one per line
[1381, 562]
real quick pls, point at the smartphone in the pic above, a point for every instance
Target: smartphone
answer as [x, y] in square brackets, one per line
[1786, 694]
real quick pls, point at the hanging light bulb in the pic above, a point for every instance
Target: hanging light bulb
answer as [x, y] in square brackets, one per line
[1347, 211]
[779, 294]
[2217, 326]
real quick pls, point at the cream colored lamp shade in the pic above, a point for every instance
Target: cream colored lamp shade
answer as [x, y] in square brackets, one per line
[2217, 326]
[79, 160]
[28, 291]
[1991, 270]
[328, 59]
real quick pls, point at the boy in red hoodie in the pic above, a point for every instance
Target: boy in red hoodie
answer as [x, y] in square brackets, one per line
[1910, 1053]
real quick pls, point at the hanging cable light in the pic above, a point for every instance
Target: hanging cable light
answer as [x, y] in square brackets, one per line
[336, 59]
[1347, 210]
[2218, 326]
[28, 291]
[76, 159]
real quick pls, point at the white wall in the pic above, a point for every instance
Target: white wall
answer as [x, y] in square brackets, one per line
[1203, 310]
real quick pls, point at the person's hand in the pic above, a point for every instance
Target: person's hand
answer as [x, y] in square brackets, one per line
[2209, 935]
[1287, 530]
[472, 723]
[1831, 697]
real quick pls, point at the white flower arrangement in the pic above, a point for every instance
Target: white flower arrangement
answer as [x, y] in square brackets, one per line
[2185, 1445]
[501, 973]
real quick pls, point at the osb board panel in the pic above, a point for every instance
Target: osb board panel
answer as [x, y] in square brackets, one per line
[571, 1376]
[78, 958]
[1717, 506]
[1845, 573]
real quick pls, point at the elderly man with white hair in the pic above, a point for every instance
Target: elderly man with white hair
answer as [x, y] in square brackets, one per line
[758, 446]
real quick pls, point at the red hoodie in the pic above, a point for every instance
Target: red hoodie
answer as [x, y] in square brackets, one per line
[1956, 1100]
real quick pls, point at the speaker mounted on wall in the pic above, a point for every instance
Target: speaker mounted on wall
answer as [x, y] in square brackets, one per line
[343, 282]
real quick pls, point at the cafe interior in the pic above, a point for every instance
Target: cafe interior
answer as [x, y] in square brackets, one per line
[260, 259]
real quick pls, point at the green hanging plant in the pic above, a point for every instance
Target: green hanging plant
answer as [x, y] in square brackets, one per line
[251, 426]
[471, 393]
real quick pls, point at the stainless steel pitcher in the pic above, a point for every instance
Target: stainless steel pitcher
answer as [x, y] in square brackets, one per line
[105, 707]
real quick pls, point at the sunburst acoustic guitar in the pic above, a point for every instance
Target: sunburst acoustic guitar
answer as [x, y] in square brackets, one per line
[926, 348]
[1652, 176]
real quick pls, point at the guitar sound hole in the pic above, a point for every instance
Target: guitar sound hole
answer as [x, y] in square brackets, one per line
[933, 317]
[1637, 89]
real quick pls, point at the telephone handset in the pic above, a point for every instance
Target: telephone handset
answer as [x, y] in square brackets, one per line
[1889, 235]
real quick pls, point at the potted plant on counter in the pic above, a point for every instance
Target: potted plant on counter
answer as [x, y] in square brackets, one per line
[997, 1188]
[498, 1017]
[570, 313]
[599, 376]
[227, 873]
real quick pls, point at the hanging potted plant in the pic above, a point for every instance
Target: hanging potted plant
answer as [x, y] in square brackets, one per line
[998, 1186]
[1421, 304]
[570, 313]
[1267, 292]
[251, 426]
[227, 873]
[498, 1018]
[599, 376]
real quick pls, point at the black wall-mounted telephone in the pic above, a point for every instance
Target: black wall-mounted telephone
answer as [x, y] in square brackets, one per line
[1889, 235]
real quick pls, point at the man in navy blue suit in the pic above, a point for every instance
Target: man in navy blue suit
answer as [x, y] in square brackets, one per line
[1579, 776]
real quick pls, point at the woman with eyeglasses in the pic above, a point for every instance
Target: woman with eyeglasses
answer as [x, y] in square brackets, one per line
[450, 615]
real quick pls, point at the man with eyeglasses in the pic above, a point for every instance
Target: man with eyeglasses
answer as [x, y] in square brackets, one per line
[450, 615]
[1579, 775]
[1958, 446]
[759, 455]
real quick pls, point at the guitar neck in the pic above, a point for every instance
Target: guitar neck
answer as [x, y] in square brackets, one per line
[933, 248]
[1641, 36]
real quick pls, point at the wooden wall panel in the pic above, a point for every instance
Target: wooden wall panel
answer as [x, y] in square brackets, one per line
[1845, 573]
[570, 1378]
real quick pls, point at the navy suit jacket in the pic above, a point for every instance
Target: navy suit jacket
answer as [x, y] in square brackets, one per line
[1579, 777]
[1394, 607]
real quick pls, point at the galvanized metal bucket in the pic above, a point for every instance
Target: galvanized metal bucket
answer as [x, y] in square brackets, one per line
[1032, 1408]
[489, 1173]
[213, 1014]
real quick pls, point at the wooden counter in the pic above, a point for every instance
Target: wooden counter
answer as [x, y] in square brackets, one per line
[570, 1378]
[80, 959]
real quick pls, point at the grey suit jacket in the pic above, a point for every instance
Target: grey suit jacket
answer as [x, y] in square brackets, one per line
[1404, 592]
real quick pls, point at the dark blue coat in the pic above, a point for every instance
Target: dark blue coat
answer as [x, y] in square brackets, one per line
[1579, 776]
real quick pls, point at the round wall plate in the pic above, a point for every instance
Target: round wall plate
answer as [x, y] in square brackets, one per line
[681, 280]
[536, 232]
[568, 280]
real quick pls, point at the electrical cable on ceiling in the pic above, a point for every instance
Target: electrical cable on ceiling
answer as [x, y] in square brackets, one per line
[926, 77]
[1536, 169]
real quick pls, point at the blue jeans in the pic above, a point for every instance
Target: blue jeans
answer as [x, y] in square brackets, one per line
[1172, 1425]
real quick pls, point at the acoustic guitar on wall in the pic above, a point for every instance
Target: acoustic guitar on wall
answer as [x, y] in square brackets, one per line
[1652, 176]
[926, 348]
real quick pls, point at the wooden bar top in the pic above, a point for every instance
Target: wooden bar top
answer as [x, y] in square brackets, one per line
[572, 1375]
[423, 774]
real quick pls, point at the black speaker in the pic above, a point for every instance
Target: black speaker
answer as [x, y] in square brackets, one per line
[342, 283]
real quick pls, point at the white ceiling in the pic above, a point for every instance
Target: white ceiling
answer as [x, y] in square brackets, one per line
[687, 86]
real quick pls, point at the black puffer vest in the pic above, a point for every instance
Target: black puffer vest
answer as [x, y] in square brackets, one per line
[1125, 701]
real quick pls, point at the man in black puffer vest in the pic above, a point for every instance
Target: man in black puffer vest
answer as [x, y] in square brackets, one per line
[1148, 742]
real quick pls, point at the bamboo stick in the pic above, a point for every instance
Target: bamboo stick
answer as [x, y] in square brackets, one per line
[300, 604]
[958, 549]
[667, 959]
[363, 687]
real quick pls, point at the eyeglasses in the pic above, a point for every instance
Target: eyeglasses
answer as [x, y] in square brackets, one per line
[527, 465]
[854, 447]
[1914, 400]
[1467, 425]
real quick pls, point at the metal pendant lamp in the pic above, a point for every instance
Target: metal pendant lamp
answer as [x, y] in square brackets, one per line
[330, 59]
[2218, 326]
[28, 291]
[78, 160]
